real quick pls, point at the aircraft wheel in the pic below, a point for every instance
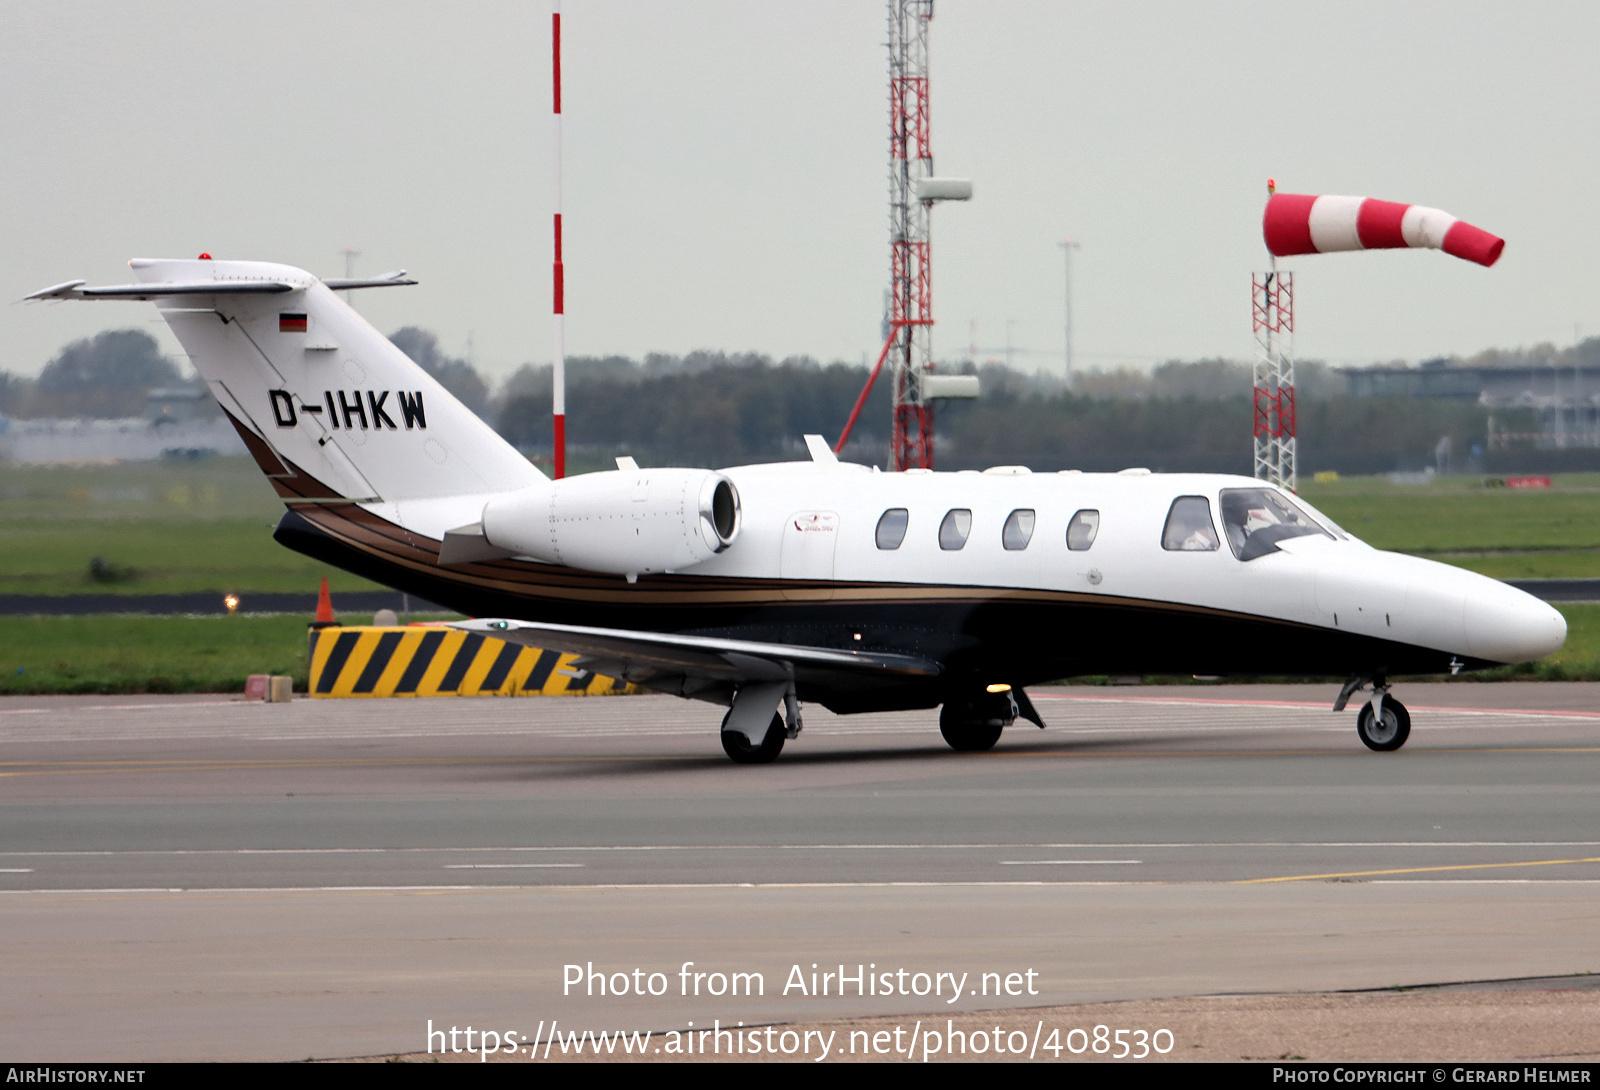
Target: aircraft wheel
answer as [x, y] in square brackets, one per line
[965, 734]
[1389, 735]
[738, 747]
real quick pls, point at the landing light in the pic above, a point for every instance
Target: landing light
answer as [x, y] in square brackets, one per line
[1002, 687]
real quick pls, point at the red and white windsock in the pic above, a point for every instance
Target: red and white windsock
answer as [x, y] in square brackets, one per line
[1298, 223]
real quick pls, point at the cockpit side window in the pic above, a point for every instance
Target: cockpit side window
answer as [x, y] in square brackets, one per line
[1256, 519]
[892, 527]
[1189, 527]
[1018, 530]
[1081, 530]
[954, 529]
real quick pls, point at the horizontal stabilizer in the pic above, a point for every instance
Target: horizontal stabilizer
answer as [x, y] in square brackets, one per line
[74, 289]
[396, 279]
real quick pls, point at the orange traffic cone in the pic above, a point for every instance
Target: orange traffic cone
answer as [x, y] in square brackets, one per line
[324, 605]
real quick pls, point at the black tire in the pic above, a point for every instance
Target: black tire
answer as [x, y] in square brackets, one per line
[739, 749]
[1393, 732]
[966, 734]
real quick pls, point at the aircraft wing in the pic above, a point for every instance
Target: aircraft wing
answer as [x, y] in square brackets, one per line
[687, 664]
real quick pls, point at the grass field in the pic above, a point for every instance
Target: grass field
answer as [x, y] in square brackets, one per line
[1502, 532]
[160, 528]
[171, 527]
[128, 654]
[175, 527]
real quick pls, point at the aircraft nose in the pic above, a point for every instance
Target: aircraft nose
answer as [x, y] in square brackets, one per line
[1508, 625]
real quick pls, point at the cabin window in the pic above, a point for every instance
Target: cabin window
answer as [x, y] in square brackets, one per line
[892, 527]
[1081, 530]
[1256, 519]
[1189, 528]
[954, 529]
[1018, 530]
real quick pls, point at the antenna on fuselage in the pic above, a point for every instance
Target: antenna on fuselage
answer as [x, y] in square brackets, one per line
[350, 256]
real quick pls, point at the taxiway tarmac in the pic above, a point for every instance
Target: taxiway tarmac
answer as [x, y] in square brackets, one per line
[208, 877]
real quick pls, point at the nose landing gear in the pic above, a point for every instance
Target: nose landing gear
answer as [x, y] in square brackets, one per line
[1383, 723]
[1386, 729]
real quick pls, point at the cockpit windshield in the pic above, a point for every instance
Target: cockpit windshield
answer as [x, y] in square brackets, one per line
[1256, 519]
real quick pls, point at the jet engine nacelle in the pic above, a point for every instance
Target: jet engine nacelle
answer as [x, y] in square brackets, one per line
[623, 522]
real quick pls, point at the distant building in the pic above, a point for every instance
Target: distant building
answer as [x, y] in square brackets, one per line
[131, 439]
[178, 422]
[1567, 397]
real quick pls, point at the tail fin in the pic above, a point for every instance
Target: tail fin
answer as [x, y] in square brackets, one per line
[328, 407]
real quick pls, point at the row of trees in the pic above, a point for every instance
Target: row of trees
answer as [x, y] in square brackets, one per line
[110, 375]
[107, 375]
[709, 409]
[714, 408]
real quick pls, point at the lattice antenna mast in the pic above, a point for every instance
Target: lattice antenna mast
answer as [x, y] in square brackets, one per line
[913, 190]
[910, 271]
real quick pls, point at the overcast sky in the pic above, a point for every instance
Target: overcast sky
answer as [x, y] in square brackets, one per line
[726, 168]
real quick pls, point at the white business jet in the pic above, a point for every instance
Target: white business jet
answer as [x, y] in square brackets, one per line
[759, 587]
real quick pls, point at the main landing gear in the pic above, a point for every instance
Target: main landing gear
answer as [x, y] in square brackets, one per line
[969, 730]
[739, 749]
[972, 722]
[1383, 722]
[743, 738]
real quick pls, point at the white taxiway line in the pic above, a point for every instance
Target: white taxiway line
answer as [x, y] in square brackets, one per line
[128, 707]
[507, 866]
[605, 886]
[1202, 702]
[1073, 846]
[1067, 862]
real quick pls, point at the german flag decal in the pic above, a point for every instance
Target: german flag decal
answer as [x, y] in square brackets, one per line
[291, 323]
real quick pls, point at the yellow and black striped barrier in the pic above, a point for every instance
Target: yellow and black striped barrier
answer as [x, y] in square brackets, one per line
[433, 660]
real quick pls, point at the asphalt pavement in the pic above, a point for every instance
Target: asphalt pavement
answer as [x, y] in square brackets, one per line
[207, 877]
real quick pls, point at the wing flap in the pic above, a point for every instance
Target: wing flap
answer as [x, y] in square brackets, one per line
[701, 658]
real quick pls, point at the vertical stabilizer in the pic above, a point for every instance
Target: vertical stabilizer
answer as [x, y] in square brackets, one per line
[327, 405]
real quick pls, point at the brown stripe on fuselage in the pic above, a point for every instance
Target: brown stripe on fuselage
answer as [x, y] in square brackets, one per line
[266, 458]
[288, 480]
[378, 537]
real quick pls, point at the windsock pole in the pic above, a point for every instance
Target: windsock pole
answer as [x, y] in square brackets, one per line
[558, 400]
[1273, 407]
[1303, 223]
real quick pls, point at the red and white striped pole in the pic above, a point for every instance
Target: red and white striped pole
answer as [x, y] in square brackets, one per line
[558, 402]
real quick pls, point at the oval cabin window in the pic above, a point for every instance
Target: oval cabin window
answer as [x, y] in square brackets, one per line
[1018, 530]
[954, 529]
[1081, 530]
[892, 527]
